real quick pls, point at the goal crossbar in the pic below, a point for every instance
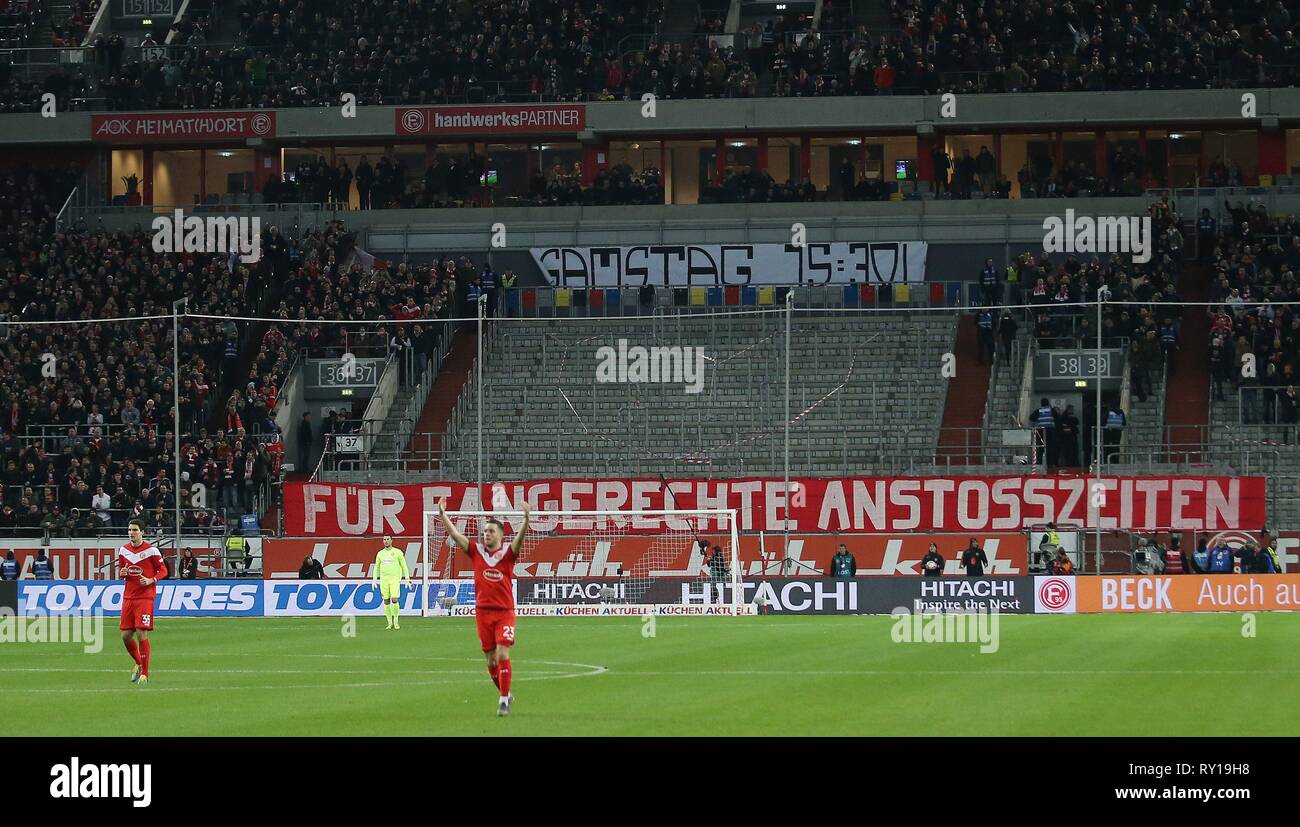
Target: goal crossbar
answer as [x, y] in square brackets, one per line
[667, 541]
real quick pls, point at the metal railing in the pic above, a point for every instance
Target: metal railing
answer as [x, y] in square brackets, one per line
[1265, 405]
[637, 300]
[90, 523]
[55, 433]
[1189, 201]
[299, 215]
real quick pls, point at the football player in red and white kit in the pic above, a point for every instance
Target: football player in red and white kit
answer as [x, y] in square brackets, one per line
[141, 566]
[494, 595]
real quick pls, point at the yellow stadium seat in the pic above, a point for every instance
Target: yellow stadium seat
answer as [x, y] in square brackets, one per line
[766, 295]
[699, 296]
[562, 297]
[902, 293]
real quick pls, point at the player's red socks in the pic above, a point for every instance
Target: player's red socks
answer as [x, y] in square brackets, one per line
[133, 650]
[144, 658]
[493, 670]
[503, 677]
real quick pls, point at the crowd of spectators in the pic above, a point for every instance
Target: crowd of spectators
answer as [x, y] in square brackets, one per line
[1038, 177]
[401, 300]
[1037, 45]
[87, 429]
[17, 22]
[457, 181]
[749, 185]
[292, 54]
[619, 184]
[30, 200]
[1149, 326]
[1255, 260]
[73, 29]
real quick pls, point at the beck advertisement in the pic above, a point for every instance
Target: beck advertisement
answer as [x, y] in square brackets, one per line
[584, 556]
[814, 504]
[1190, 593]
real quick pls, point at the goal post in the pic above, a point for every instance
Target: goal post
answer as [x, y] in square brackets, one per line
[673, 561]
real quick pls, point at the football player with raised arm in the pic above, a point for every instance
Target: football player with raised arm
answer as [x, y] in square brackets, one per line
[494, 599]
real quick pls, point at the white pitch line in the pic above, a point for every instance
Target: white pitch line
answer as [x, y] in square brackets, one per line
[264, 671]
[526, 676]
[964, 673]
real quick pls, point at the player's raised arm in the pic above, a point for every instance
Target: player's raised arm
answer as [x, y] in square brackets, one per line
[459, 539]
[519, 537]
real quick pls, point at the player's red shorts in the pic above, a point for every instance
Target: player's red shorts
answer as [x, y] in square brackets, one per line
[137, 614]
[496, 627]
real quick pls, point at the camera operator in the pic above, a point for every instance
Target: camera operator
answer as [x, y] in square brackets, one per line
[1147, 558]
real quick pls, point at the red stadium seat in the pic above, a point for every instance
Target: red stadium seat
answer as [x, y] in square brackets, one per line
[530, 298]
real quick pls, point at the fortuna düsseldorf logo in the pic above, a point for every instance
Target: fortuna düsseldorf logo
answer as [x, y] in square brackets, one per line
[413, 120]
[261, 124]
[1054, 593]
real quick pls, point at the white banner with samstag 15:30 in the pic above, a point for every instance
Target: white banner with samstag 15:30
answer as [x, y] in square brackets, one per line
[733, 265]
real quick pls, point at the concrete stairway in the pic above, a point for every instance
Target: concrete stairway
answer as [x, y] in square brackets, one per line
[960, 438]
[1003, 406]
[397, 426]
[1143, 441]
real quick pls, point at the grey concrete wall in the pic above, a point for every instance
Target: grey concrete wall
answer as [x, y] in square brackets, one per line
[783, 116]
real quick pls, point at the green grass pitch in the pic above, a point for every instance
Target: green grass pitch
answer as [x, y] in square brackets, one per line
[828, 675]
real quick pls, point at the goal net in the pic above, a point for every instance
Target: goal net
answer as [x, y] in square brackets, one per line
[596, 562]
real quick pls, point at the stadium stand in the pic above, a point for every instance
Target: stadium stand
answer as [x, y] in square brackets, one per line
[542, 372]
[263, 54]
[1255, 258]
[484, 52]
[97, 415]
[18, 22]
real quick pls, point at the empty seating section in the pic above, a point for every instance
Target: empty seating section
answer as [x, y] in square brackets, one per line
[864, 393]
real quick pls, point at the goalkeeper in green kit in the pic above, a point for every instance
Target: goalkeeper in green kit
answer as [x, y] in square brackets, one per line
[389, 572]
